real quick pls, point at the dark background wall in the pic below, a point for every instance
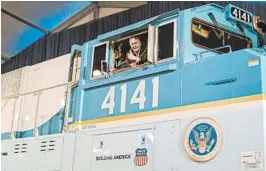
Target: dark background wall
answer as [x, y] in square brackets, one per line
[54, 45]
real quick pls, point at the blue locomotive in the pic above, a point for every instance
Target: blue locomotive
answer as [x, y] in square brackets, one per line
[184, 90]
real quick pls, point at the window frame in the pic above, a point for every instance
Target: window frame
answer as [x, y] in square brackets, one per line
[156, 42]
[212, 25]
[115, 71]
[92, 61]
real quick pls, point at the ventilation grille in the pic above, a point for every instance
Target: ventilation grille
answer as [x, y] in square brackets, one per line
[225, 81]
[47, 146]
[20, 148]
[10, 83]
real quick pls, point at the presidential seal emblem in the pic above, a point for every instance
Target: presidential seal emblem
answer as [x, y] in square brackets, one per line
[203, 139]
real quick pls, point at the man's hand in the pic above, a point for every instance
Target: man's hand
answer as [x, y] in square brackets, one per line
[132, 57]
[134, 65]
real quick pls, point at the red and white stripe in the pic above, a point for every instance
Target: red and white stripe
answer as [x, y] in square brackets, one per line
[141, 160]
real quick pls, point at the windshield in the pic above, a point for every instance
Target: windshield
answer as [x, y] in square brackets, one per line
[209, 36]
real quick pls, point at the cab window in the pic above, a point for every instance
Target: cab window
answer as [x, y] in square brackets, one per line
[165, 41]
[208, 36]
[99, 56]
[130, 51]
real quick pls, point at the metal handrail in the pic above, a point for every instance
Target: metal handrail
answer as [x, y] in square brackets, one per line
[211, 50]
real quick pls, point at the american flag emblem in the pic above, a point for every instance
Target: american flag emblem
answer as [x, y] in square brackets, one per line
[141, 158]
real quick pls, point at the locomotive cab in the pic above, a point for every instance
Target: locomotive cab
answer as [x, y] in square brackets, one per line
[205, 52]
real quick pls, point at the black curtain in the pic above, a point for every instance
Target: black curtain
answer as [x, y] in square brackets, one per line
[57, 44]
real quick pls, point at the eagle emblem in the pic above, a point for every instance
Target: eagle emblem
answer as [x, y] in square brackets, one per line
[202, 140]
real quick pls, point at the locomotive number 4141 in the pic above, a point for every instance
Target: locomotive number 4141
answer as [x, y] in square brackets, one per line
[241, 15]
[137, 97]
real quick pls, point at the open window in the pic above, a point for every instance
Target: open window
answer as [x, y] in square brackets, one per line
[208, 36]
[165, 45]
[131, 51]
[99, 61]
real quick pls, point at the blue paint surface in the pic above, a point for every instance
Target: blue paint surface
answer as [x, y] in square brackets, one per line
[5, 136]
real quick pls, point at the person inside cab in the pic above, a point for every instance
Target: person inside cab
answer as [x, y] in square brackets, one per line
[136, 55]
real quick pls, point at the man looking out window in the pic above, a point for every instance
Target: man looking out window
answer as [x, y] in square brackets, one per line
[137, 54]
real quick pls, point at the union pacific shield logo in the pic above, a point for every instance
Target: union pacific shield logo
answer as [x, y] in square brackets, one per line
[141, 158]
